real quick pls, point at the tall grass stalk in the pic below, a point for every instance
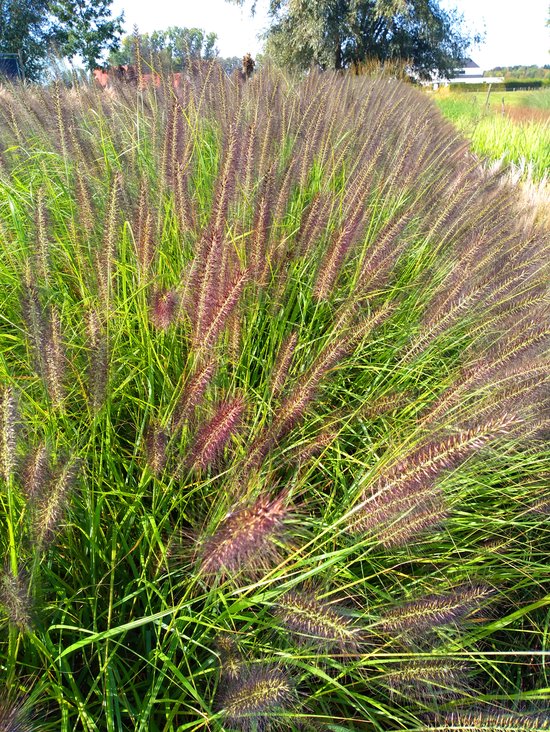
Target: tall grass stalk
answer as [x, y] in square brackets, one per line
[272, 413]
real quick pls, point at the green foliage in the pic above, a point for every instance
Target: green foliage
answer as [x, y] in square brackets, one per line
[335, 35]
[496, 137]
[85, 28]
[520, 72]
[171, 48]
[37, 28]
[272, 413]
[504, 86]
[24, 29]
[230, 64]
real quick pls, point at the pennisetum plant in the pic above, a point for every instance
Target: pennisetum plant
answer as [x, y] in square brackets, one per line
[273, 407]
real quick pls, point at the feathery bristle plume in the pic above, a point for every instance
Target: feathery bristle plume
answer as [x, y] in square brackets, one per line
[329, 267]
[9, 420]
[294, 406]
[35, 321]
[383, 254]
[163, 310]
[156, 446]
[245, 538]
[386, 404]
[144, 234]
[314, 222]
[193, 392]
[49, 509]
[283, 363]
[405, 501]
[105, 256]
[36, 473]
[232, 663]
[15, 597]
[315, 446]
[485, 722]
[213, 436]
[426, 613]
[42, 247]
[319, 622]
[401, 523]
[256, 698]
[14, 717]
[426, 680]
[222, 311]
[54, 358]
[98, 358]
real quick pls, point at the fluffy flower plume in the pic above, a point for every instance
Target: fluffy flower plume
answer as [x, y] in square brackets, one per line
[216, 433]
[426, 613]
[156, 445]
[405, 500]
[193, 392]
[317, 621]
[423, 680]
[255, 699]
[15, 597]
[36, 473]
[14, 716]
[232, 664]
[245, 539]
[283, 363]
[50, 508]
[164, 308]
[8, 431]
[489, 722]
[98, 358]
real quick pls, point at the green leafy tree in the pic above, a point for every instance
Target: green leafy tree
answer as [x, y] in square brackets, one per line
[70, 28]
[230, 63]
[338, 33]
[25, 29]
[172, 47]
[86, 28]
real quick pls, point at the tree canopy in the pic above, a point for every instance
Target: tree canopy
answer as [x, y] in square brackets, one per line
[338, 33]
[172, 47]
[70, 28]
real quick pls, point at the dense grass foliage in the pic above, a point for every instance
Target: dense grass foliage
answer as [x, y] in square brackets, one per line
[513, 128]
[272, 414]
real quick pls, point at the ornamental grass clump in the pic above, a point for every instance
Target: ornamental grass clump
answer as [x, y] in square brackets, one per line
[273, 407]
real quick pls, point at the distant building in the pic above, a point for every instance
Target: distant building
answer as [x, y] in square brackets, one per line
[469, 73]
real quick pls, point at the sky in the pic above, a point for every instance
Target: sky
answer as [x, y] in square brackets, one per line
[515, 32]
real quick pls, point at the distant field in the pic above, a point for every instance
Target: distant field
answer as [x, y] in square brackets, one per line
[514, 126]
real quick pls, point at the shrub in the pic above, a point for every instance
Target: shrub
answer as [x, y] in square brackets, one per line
[272, 412]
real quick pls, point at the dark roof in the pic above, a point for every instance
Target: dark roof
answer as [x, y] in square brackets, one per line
[469, 64]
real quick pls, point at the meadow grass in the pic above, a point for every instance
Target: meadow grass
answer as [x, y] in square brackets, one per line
[495, 136]
[272, 413]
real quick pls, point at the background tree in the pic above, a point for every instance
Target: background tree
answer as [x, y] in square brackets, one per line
[337, 33]
[230, 63]
[25, 28]
[86, 28]
[36, 28]
[172, 47]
